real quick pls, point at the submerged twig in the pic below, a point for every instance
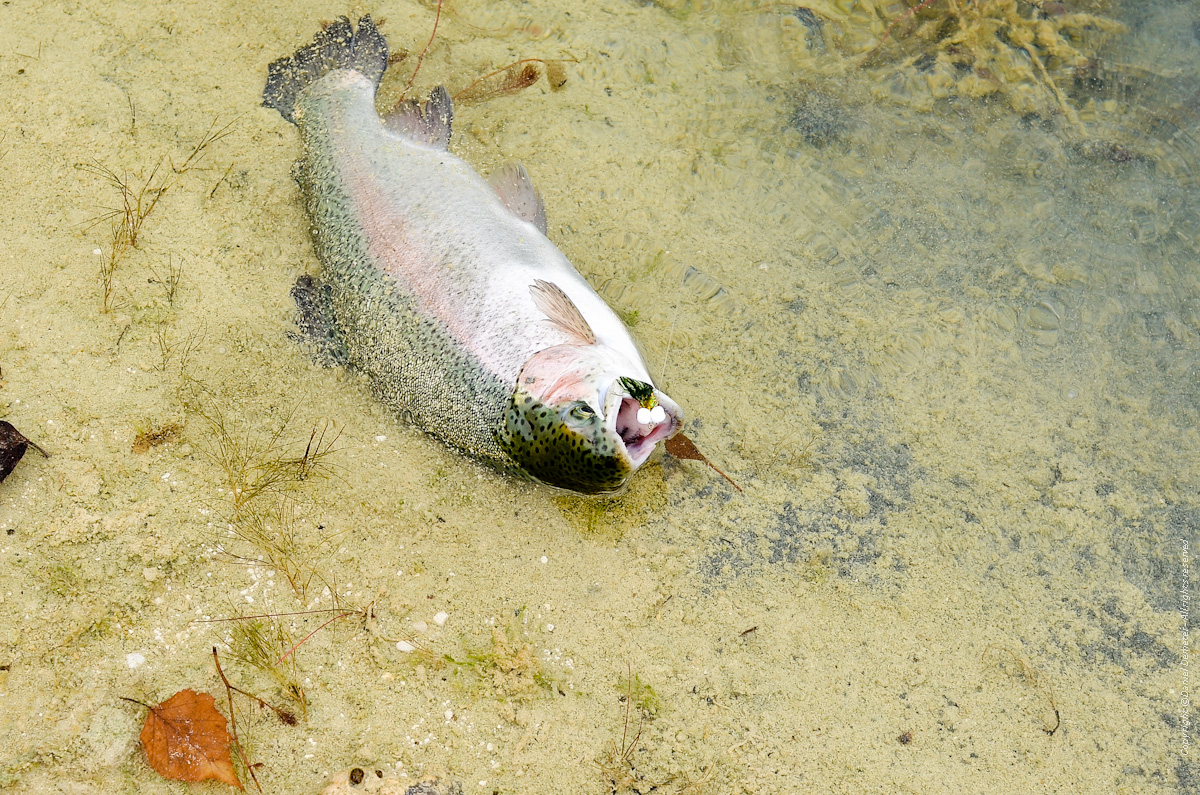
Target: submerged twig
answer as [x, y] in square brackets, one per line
[233, 720]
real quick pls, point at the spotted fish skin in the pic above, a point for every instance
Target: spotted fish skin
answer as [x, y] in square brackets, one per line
[444, 290]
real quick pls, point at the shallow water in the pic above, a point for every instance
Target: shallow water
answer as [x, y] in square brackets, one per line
[948, 347]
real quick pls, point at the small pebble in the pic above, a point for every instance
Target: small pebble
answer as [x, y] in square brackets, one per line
[440, 619]
[405, 646]
[358, 780]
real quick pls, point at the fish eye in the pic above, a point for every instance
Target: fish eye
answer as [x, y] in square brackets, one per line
[582, 411]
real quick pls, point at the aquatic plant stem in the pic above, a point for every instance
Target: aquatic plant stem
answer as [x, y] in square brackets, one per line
[300, 642]
[421, 58]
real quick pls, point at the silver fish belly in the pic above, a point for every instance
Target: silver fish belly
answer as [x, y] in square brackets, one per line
[443, 289]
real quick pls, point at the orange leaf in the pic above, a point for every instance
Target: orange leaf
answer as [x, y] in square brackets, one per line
[682, 447]
[186, 740]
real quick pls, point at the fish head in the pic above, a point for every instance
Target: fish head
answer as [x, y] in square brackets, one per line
[584, 418]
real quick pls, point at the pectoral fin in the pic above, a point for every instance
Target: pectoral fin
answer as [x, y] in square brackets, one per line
[514, 187]
[561, 310]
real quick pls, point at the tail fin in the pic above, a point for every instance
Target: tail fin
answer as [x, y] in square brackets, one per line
[336, 47]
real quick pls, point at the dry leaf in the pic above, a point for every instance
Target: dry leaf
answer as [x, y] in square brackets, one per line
[556, 74]
[682, 447]
[12, 447]
[186, 740]
[153, 437]
[509, 80]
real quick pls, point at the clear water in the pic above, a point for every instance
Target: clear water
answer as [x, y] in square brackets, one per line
[947, 344]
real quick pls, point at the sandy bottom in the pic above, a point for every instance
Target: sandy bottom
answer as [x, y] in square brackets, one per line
[950, 354]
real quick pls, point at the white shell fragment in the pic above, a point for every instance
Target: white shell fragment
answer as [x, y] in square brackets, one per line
[441, 618]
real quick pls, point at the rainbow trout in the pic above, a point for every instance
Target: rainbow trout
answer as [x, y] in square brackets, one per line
[443, 289]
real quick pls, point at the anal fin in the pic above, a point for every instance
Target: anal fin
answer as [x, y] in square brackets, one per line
[316, 326]
[428, 122]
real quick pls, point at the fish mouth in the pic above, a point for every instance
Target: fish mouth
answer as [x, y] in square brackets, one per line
[640, 438]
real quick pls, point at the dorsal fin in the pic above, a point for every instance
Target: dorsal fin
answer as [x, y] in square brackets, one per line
[557, 305]
[427, 122]
[514, 187]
